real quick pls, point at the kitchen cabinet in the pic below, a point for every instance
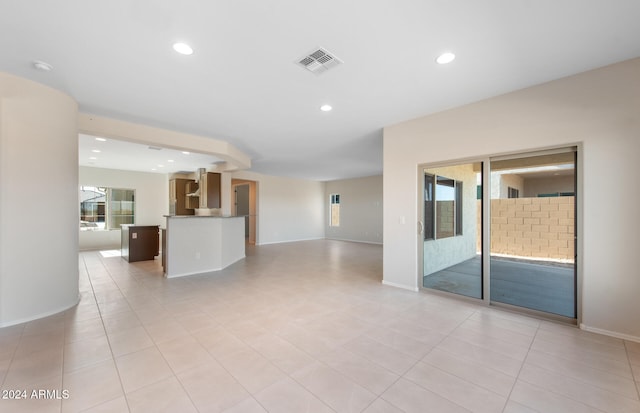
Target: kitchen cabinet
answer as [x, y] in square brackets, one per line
[210, 190]
[139, 243]
[178, 197]
[192, 196]
[185, 195]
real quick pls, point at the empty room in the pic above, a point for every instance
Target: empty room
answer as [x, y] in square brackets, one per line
[319, 207]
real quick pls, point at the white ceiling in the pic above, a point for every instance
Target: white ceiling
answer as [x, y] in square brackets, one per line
[115, 154]
[242, 83]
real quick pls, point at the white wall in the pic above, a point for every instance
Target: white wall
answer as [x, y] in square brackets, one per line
[197, 245]
[599, 111]
[288, 209]
[151, 197]
[38, 201]
[360, 209]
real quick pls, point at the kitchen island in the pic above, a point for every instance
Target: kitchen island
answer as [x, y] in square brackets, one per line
[200, 244]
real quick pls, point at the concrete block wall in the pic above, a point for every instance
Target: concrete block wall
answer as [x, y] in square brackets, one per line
[533, 227]
[445, 213]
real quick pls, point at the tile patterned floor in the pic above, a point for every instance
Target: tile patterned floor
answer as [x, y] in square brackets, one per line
[303, 327]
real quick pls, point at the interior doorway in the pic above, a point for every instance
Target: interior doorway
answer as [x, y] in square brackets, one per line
[244, 194]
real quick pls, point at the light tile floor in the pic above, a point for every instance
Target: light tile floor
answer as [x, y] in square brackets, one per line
[303, 327]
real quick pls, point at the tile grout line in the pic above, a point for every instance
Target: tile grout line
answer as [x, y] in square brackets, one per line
[402, 376]
[13, 355]
[475, 311]
[561, 394]
[155, 344]
[583, 382]
[636, 382]
[315, 360]
[515, 382]
[113, 358]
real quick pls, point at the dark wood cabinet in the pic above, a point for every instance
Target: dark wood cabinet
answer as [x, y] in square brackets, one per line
[179, 201]
[140, 243]
[210, 181]
[185, 195]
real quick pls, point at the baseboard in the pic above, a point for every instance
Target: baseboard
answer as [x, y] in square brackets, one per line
[203, 272]
[355, 240]
[610, 333]
[288, 241]
[41, 315]
[404, 287]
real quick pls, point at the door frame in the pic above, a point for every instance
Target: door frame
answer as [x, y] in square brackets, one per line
[577, 148]
[420, 229]
[253, 206]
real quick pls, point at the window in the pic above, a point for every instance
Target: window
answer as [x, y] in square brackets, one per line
[443, 207]
[429, 182]
[513, 192]
[106, 208]
[334, 210]
[556, 194]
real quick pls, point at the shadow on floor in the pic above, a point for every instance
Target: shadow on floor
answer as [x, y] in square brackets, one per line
[534, 285]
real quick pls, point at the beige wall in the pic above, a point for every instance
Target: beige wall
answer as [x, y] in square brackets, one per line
[535, 186]
[288, 209]
[39, 212]
[600, 112]
[360, 209]
[501, 182]
[151, 197]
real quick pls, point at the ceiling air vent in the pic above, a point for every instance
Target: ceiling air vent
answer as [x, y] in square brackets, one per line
[155, 148]
[319, 61]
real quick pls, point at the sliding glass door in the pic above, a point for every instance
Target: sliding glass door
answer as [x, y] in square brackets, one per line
[452, 229]
[533, 232]
[526, 212]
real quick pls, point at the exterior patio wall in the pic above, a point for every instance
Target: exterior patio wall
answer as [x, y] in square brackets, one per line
[533, 227]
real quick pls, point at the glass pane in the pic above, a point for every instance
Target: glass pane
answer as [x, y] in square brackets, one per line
[334, 211]
[121, 207]
[92, 208]
[428, 206]
[453, 232]
[445, 207]
[532, 233]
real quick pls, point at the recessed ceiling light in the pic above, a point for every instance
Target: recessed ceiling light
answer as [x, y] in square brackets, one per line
[325, 108]
[153, 169]
[160, 166]
[95, 150]
[44, 66]
[185, 153]
[170, 160]
[93, 158]
[445, 58]
[183, 48]
[101, 139]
